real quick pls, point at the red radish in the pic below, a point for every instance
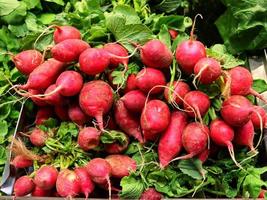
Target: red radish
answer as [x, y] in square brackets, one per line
[180, 90]
[46, 177]
[38, 137]
[130, 83]
[151, 194]
[241, 83]
[173, 33]
[51, 97]
[43, 114]
[222, 134]
[127, 122]
[21, 161]
[207, 70]
[68, 183]
[38, 101]
[262, 193]
[23, 186]
[170, 143]
[27, 61]
[204, 155]
[86, 184]
[110, 123]
[94, 61]
[88, 138]
[156, 54]
[155, 118]
[134, 101]
[116, 148]
[244, 135]
[258, 117]
[121, 165]
[62, 113]
[66, 32]
[44, 75]
[147, 78]
[236, 110]
[76, 114]
[196, 103]
[39, 192]
[96, 99]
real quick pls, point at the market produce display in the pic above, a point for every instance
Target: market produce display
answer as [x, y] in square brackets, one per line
[124, 103]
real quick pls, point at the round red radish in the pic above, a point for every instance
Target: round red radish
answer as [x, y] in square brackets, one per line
[66, 32]
[23, 186]
[96, 99]
[121, 165]
[134, 101]
[38, 137]
[207, 70]
[151, 194]
[76, 114]
[173, 33]
[180, 90]
[86, 184]
[39, 192]
[262, 193]
[188, 53]
[21, 161]
[68, 183]
[116, 148]
[236, 110]
[130, 83]
[27, 61]
[94, 61]
[53, 98]
[156, 54]
[43, 114]
[258, 117]
[148, 78]
[204, 155]
[46, 177]
[38, 101]
[62, 112]
[88, 138]
[99, 170]
[244, 135]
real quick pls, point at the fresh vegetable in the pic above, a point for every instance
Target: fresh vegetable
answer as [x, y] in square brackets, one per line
[46, 177]
[130, 83]
[38, 137]
[134, 101]
[21, 161]
[180, 89]
[151, 194]
[62, 33]
[43, 114]
[258, 117]
[39, 192]
[88, 138]
[86, 184]
[61, 112]
[76, 114]
[23, 186]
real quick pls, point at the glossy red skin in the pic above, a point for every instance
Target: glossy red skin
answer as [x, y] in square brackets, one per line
[118, 50]
[127, 122]
[66, 32]
[170, 143]
[255, 118]
[70, 83]
[99, 170]
[262, 193]
[221, 133]
[151, 194]
[195, 138]
[244, 135]
[130, 83]
[23, 186]
[121, 165]
[36, 100]
[43, 114]
[134, 101]
[86, 184]
[44, 75]
[196, 100]
[46, 177]
[211, 72]
[55, 98]
[188, 53]
[89, 138]
[116, 148]
[155, 54]
[68, 183]
[181, 88]
[27, 61]
[204, 155]
[173, 33]
[236, 110]
[147, 78]
[20, 161]
[94, 61]
[62, 112]
[155, 118]
[38, 137]
[39, 192]
[76, 114]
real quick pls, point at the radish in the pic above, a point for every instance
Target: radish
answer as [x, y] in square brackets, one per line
[38, 137]
[86, 184]
[46, 177]
[88, 138]
[155, 118]
[258, 117]
[130, 83]
[68, 183]
[27, 61]
[94, 61]
[241, 83]
[23, 186]
[116, 148]
[38, 101]
[66, 32]
[121, 165]
[170, 143]
[127, 122]
[76, 114]
[96, 99]
[236, 110]
[148, 78]
[43, 114]
[262, 194]
[110, 123]
[222, 134]
[21, 161]
[155, 54]
[134, 101]
[173, 33]
[51, 97]
[62, 112]
[180, 90]
[69, 50]
[207, 70]
[204, 155]
[151, 194]
[99, 170]
[39, 192]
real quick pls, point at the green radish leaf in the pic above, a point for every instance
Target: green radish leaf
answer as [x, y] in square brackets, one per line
[4, 128]
[2, 155]
[6, 7]
[188, 168]
[171, 5]
[132, 187]
[164, 36]
[259, 85]
[180, 38]
[59, 2]
[47, 18]
[33, 4]
[113, 136]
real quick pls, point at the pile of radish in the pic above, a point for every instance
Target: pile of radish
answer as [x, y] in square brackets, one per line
[72, 83]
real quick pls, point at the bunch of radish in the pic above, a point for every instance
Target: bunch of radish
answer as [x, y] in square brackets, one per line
[142, 110]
